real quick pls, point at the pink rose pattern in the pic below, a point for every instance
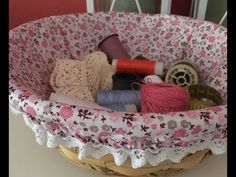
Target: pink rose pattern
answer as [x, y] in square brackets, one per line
[180, 133]
[30, 110]
[66, 112]
[35, 46]
[196, 129]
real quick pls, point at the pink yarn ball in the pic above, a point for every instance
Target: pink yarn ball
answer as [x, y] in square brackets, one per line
[163, 98]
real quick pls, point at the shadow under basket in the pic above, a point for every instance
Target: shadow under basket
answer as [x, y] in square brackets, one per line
[107, 166]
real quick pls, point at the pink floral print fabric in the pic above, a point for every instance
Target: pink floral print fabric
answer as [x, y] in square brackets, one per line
[35, 46]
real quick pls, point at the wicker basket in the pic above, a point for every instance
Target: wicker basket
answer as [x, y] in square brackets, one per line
[107, 166]
[35, 46]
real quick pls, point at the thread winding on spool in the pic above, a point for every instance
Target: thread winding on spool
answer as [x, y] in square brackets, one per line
[112, 46]
[184, 62]
[206, 96]
[123, 81]
[195, 104]
[137, 66]
[182, 73]
[118, 97]
[163, 98]
[122, 107]
[70, 100]
[140, 57]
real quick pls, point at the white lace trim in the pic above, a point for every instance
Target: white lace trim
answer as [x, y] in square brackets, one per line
[120, 156]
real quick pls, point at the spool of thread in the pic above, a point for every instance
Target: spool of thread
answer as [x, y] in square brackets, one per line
[137, 66]
[123, 81]
[65, 99]
[122, 107]
[112, 46]
[195, 104]
[186, 62]
[106, 97]
[140, 57]
[202, 92]
[182, 73]
[152, 79]
[163, 98]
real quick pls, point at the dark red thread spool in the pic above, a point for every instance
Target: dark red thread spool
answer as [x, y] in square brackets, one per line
[112, 46]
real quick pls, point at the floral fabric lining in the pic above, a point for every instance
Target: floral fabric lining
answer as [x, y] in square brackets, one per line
[35, 46]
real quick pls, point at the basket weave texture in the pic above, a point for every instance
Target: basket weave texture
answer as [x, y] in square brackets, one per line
[107, 166]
